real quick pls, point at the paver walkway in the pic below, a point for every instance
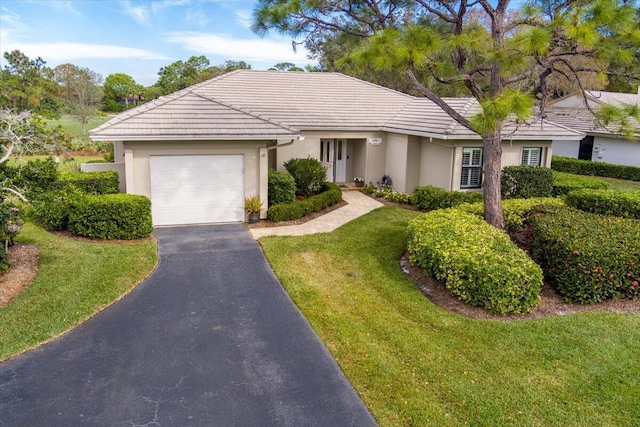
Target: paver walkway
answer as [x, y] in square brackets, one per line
[209, 339]
[358, 205]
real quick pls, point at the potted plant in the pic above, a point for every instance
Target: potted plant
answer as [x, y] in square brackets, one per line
[253, 206]
[359, 181]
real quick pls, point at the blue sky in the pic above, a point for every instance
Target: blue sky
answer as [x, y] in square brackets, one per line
[139, 37]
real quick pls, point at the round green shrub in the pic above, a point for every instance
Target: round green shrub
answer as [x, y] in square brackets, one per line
[476, 261]
[111, 216]
[309, 175]
[523, 182]
[282, 187]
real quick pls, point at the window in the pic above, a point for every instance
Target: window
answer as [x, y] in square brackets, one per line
[471, 168]
[531, 156]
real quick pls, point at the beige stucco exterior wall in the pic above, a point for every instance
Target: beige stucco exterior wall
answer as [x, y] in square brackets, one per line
[512, 152]
[397, 146]
[413, 163]
[254, 152]
[436, 162]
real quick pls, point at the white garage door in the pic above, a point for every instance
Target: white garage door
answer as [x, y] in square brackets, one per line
[197, 189]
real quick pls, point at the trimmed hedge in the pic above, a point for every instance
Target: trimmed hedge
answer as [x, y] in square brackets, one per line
[282, 187]
[587, 257]
[105, 182]
[429, 198]
[515, 210]
[564, 183]
[625, 204]
[52, 208]
[523, 182]
[289, 211]
[309, 175]
[477, 262]
[111, 216]
[587, 167]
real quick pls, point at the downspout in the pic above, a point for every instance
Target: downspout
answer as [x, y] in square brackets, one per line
[273, 147]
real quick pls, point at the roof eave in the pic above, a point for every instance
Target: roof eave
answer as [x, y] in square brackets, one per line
[193, 137]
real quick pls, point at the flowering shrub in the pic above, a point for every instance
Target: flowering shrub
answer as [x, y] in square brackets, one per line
[388, 193]
[564, 183]
[589, 258]
[428, 198]
[477, 262]
[514, 210]
[625, 204]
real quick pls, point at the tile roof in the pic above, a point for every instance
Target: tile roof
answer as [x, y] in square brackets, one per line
[186, 115]
[268, 104]
[582, 120]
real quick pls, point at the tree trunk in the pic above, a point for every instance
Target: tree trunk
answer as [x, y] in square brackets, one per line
[492, 164]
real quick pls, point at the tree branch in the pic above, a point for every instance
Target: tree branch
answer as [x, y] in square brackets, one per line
[439, 101]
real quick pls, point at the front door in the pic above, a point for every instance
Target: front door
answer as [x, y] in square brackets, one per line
[333, 155]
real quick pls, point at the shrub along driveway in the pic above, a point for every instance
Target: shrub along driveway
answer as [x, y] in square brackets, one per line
[210, 338]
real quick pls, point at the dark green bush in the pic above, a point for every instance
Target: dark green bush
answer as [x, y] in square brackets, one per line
[52, 208]
[288, 211]
[564, 183]
[625, 204]
[111, 216]
[587, 257]
[428, 198]
[32, 178]
[587, 167]
[477, 262]
[282, 187]
[105, 182]
[523, 182]
[309, 175]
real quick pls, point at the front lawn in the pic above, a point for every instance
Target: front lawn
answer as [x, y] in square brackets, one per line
[75, 280]
[414, 363]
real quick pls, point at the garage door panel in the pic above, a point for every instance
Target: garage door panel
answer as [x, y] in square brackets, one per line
[197, 189]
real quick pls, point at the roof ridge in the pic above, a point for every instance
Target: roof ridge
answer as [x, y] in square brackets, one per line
[462, 112]
[140, 109]
[247, 112]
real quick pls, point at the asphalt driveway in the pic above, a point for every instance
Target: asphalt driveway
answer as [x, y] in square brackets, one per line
[209, 339]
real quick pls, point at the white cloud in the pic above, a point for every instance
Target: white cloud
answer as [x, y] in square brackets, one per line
[244, 18]
[197, 16]
[69, 51]
[268, 50]
[138, 13]
[159, 5]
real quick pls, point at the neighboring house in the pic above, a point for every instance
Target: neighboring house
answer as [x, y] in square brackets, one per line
[198, 152]
[600, 144]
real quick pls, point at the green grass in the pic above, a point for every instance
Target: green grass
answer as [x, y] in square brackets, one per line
[75, 127]
[621, 184]
[75, 280]
[416, 364]
[66, 165]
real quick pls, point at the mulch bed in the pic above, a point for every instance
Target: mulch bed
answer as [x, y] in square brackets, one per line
[266, 223]
[24, 267]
